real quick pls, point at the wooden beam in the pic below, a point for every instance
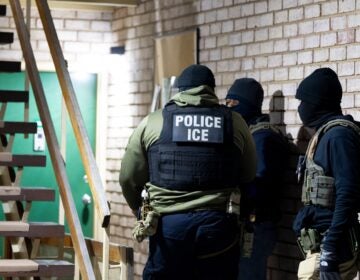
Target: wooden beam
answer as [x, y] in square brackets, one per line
[101, 2]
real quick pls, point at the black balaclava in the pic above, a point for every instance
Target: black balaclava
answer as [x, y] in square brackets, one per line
[320, 94]
[250, 95]
[195, 75]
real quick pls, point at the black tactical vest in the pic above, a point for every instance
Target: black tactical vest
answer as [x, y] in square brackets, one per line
[195, 150]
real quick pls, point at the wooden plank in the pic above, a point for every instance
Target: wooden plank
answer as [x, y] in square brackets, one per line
[10, 66]
[81, 136]
[35, 229]
[101, 2]
[18, 127]
[14, 96]
[46, 268]
[25, 160]
[72, 216]
[6, 37]
[27, 194]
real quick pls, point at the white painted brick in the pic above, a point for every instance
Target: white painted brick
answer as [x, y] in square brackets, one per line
[234, 39]
[227, 79]
[348, 100]
[247, 64]
[312, 11]
[100, 26]
[346, 68]
[222, 40]
[234, 12]
[261, 62]
[296, 14]
[222, 66]
[210, 16]
[354, 20]
[227, 26]
[312, 41]
[261, 7]
[247, 37]
[296, 44]
[267, 47]
[289, 4]
[321, 55]
[240, 51]
[290, 117]
[337, 23]
[67, 35]
[247, 10]
[305, 57]
[235, 65]
[63, 14]
[253, 49]
[266, 19]
[275, 32]
[275, 60]
[289, 89]
[353, 85]
[240, 24]
[329, 7]
[252, 22]
[210, 42]
[227, 53]
[338, 53]
[353, 51]
[306, 27]
[89, 36]
[328, 39]
[281, 16]
[346, 6]
[215, 54]
[357, 36]
[346, 37]
[291, 103]
[296, 73]
[222, 14]
[275, 5]
[357, 100]
[267, 75]
[206, 5]
[281, 45]
[289, 59]
[215, 28]
[290, 30]
[77, 24]
[281, 74]
[309, 69]
[204, 55]
[357, 67]
[261, 35]
[321, 25]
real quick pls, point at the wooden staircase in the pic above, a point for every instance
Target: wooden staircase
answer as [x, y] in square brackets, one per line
[25, 240]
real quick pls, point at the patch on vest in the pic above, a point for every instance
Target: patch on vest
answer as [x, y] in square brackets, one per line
[198, 128]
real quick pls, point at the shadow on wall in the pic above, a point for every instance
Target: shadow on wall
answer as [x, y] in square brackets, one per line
[283, 264]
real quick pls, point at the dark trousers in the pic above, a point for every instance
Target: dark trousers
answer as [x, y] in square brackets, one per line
[196, 245]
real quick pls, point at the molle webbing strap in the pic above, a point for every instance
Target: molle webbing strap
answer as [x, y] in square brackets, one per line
[322, 130]
[264, 125]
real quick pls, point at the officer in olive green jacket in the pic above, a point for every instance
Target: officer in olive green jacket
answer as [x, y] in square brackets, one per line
[183, 168]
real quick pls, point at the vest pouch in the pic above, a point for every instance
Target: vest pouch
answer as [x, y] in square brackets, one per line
[323, 191]
[310, 240]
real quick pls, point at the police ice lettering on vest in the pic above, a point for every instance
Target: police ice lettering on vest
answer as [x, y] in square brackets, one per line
[198, 128]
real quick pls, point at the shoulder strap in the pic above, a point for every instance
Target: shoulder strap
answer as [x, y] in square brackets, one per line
[264, 125]
[325, 128]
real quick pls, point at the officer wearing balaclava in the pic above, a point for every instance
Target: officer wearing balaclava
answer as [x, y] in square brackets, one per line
[187, 161]
[260, 198]
[327, 226]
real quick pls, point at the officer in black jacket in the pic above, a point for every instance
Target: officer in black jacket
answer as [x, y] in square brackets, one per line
[260, 198]
[327, 225]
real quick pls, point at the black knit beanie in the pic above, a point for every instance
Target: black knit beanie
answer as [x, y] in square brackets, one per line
[321, 88]
[250, 95]
[195, 75]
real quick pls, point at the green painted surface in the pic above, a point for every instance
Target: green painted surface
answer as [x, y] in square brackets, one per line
[85, 86]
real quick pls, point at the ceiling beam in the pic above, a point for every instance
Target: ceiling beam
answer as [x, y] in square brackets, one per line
[100, 2]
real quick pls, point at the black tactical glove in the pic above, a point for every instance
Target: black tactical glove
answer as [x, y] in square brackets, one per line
[329, 266]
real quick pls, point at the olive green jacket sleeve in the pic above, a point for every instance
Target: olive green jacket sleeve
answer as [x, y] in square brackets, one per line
[134, 172]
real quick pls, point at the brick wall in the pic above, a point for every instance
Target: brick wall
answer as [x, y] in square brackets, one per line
[276, 42]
